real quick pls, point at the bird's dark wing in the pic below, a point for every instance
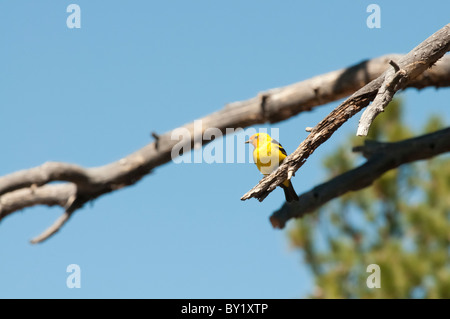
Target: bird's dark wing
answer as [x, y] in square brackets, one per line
[282, 150]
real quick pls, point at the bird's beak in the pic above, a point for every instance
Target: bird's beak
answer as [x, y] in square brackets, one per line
[246, 142]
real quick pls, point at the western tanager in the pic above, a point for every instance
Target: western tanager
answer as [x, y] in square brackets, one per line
[268, 155]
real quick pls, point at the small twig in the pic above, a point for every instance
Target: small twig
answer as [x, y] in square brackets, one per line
[156, 137]
[53, 229]
[264, 96]
[395, 65]
[391, 84]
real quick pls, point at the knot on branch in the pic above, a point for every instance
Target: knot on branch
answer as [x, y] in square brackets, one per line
[156, 137]
[263, 103]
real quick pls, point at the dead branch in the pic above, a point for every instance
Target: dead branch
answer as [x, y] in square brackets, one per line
[397, 77]
[381, 157]
[427, 53]
[29, 187]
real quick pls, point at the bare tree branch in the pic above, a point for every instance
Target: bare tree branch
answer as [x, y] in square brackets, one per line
[27, 188]
[73, 204]
[355, 103]
[396, 78]
[381, 157]
[53, 229]
[49, 195]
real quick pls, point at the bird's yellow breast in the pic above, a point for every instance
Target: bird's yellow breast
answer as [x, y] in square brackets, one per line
[268, 157]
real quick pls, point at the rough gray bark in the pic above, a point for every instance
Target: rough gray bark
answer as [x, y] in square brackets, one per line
[381, 157]
[29, 187]
[408, 67]
[425, 54]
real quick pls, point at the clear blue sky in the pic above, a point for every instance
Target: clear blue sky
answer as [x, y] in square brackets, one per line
[93, 95]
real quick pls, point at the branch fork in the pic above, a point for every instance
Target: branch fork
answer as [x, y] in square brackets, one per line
[410, 66]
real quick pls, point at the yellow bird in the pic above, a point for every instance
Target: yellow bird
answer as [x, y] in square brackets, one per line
[268, 155]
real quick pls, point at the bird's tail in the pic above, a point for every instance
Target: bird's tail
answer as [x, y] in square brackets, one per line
[289, 191]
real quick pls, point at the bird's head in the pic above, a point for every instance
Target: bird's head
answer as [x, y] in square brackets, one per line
[259, 139]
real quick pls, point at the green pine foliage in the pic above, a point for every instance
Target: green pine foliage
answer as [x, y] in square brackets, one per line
[401, 223]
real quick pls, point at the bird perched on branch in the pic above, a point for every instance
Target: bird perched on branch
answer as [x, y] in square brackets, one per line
[268, 155]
